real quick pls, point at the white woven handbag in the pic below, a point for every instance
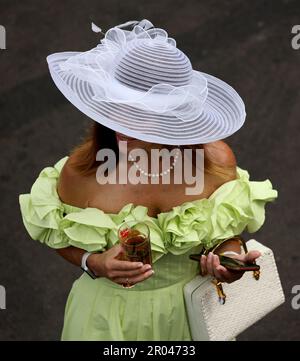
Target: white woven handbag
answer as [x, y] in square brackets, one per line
[247, 300]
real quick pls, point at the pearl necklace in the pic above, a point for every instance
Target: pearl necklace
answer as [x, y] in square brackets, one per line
[153, 175]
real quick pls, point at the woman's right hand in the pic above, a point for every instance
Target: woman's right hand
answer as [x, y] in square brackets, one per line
[107, 265]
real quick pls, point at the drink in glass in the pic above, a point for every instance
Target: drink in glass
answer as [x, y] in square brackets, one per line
[135, 240]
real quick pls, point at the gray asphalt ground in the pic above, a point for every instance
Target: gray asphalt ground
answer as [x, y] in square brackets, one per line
[246, 43]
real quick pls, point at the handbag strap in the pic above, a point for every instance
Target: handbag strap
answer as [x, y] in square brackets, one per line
[218, 284]
[256, 274]
[238, 238]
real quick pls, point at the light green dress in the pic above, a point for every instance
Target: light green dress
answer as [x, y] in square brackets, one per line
[154, 309]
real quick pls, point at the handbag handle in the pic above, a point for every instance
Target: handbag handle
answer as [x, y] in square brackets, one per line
[218, 284]
[256, 274]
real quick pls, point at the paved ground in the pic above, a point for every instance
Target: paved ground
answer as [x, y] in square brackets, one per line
[246, 43]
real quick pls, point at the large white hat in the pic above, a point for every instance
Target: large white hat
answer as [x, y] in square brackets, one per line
[137, 82]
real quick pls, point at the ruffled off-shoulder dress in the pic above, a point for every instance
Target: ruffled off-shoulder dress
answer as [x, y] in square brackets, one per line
[154, 309]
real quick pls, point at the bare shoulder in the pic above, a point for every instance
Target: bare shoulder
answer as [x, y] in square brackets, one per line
[220, 153]
[72, 186]
[220, 160]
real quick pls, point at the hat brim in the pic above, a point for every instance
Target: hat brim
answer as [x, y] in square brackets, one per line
[222, 115]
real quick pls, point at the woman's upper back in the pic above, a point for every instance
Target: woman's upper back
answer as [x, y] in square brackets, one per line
[84, 191]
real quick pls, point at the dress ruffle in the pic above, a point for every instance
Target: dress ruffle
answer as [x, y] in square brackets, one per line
[235, 206]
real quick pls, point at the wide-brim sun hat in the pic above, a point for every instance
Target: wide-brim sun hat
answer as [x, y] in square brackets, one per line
[137, 82]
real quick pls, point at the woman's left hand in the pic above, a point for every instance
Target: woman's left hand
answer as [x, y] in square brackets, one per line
[210, 264]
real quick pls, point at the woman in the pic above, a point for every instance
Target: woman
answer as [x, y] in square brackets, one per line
[142, 91]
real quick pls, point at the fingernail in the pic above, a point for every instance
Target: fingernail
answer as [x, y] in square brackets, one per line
[148, 267]
[152, 272]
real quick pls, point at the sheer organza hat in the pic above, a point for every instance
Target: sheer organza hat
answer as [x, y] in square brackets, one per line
[137, 82]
